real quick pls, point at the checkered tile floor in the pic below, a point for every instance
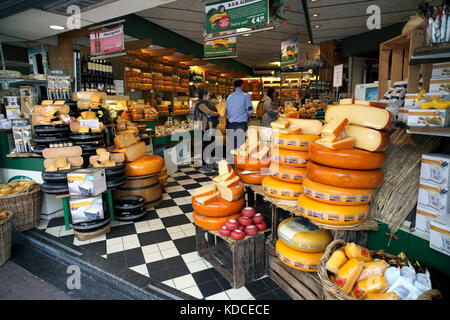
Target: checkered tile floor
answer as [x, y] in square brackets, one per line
[162, 246]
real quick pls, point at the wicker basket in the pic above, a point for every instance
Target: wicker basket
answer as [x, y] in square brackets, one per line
[332, 292]
[26, 207]
[5, 239]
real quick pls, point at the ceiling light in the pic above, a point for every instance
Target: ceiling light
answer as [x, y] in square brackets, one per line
[315, 14]
[56, 27]
[276, 63]
[309, 41]
[246, 35]
[317, 26]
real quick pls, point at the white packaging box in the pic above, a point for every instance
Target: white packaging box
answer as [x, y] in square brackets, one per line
[86, 209]
[440, 234]
[424, 218]
[428, 118]
[435, 169]
[439, 85]
[410, 101]
[402, 115]
[441, 70]
[433, 198]
[86, 182]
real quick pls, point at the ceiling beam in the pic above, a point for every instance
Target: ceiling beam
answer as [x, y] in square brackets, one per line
[195, 63]
[308, 21]
[180, 58]
[159, 52]
[137, 44]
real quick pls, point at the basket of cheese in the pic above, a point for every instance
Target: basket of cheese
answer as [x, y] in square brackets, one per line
[5, 236]
[24, 198]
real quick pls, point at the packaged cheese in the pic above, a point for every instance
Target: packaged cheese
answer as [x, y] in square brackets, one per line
[348, 274]
[352, 250]
[336, 261]
[381, 296]
[373, 284]
[373, 268]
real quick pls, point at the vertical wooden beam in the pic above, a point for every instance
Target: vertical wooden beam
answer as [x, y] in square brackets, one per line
[65, 45]
[405, 63]
[397, 65]
[53, 57]
[426, 76]
[416, 39]
[383, 71]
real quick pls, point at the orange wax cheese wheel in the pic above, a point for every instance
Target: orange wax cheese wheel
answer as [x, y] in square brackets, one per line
[124, 140]
[251, 178]
[332, 214]
[373, 268]
[303, 236]
[304, 261]
[336, 195]
[289, 157]
[210, 223]
[231, 193]
[367, 139]
[365, 116]
[382, 296]
[297, 142]
[373, 284]
[145, 165]
[133, 152]
[250, 164]
[354, 159]
[219, 208]
[336, 261]
[352, 250]
[344, 178]
[348, 274]
[280, 189]
[287, 173]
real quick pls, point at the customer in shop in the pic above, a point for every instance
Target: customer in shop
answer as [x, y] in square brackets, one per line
[208, 118]
[269, 107]
[238, 108]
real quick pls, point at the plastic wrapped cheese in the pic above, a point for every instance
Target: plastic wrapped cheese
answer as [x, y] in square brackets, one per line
[373, 268]
[369, 285]
[352, 250]
[348, 274]
[382, 296]
[337, 260]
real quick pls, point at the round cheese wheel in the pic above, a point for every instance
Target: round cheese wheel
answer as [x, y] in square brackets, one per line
[344, 178]
[146, 165]
[288, 157]
[346, 158]
[210, 223]
[331, 214]
[280, 189]
[298, 142]
[302, 235]
[304, 261]
[250, 164]
[287, 173]
[336, 195]
[219, 208]
[252, 178]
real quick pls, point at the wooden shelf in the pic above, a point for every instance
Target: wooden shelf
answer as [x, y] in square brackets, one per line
[431, 54]
[443, 132]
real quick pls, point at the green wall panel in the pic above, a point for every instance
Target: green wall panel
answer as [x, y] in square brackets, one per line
[34, 164]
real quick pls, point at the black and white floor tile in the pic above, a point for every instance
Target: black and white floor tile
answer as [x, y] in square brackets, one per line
[162, 246]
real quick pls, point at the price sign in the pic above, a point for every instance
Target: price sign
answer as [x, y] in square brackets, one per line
[337, 75]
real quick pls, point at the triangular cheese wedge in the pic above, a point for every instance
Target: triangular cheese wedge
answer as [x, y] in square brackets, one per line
[262, 153]
[334, 127]
[291, 130]
[204, 191]
[280, 123]
[224, 167]
[346, 143]
[208, 199]
[230, 175]
[230, 183]
[232, 193]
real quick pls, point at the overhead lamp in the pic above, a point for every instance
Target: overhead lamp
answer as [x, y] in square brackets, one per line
[315, 14]
[309, 41]
[56, 27]
[317, 26]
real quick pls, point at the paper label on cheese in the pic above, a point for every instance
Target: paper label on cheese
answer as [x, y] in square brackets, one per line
[287, 159]
[281, 192]
[337, 197]
[287, 176]
[303, 265]
[290, 142]
[330, 216]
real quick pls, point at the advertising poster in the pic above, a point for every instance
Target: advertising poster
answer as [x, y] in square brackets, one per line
[289, 52]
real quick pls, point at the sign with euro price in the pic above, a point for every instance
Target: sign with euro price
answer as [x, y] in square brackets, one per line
[235, 14]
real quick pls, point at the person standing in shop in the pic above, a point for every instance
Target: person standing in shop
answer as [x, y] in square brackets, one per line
[208, 117]
[238, 108]
[270, 109]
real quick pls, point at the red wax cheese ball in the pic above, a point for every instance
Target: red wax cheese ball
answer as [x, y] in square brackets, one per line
[237, 234]
[245, 221]
[224, 232]
[240, 227]
[248, 212]
[231, 224]
[258, 218]
[261, 226]
[251, 230]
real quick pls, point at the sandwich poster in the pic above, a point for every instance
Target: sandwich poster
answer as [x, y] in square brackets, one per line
[231, 15]
[219, 48]
[289, 52]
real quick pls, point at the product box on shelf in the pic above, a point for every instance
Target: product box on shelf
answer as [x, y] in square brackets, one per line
[86, 209]
[86, 182]
[440, 234]
[424, 218]
[433, 198]
[439, 85]
[435, 170]
[402, 115]
[441, 70]
[437, 118]
[410, 101]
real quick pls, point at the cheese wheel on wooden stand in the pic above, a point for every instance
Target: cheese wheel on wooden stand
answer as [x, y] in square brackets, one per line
[210, 223]
[297, 142]
[148, 164]
[287, 173]
[304, 261]
[301, 235]
[288, 157]
[354, 159]
[251, 178]
[344, 178]
[332, 214]
[336, 195]
[219, 208]
[250, 164]
[280, 189]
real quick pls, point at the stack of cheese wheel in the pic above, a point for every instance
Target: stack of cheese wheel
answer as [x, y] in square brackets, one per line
[290, 141]
[220, 201]
[341, 180]
[300, 244]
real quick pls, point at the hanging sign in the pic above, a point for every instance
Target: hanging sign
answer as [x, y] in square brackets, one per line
[289, 52]
[219, 48]
[231, 15]
[337, 75]
[109, 41]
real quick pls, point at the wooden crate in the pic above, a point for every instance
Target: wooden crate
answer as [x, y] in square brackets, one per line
[299, 285]
[240, 262]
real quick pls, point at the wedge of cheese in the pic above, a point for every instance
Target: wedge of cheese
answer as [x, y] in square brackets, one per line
[100, 150]
[209, 198]
[281, 123]
[50, 113]
[346, 143]
[375, 104]
[74, 162]
[109, 163]
[347, 101]
[66, 167]
[103, 157]
[367, 139]
[133, 152]
[116, 157]
[60, 162]
[291, 130]
[365, 116]
[230, 175]
[308, 126]
[224, 167]
[253, 136]
[260, 154]
[51, 168]
[230, 182]
[83, 130]
[231, 193]
[208, 190]
[334, 127]
[124, 140]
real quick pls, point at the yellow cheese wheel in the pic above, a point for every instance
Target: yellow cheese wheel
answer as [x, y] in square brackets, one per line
[280, 189]
[288, 157]
[336, 195]
[210, 223]
[304, 261]
[250, 164]
[146, 165]
[298, 142]
[287, 173]
[302, 235]
[331, 214]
